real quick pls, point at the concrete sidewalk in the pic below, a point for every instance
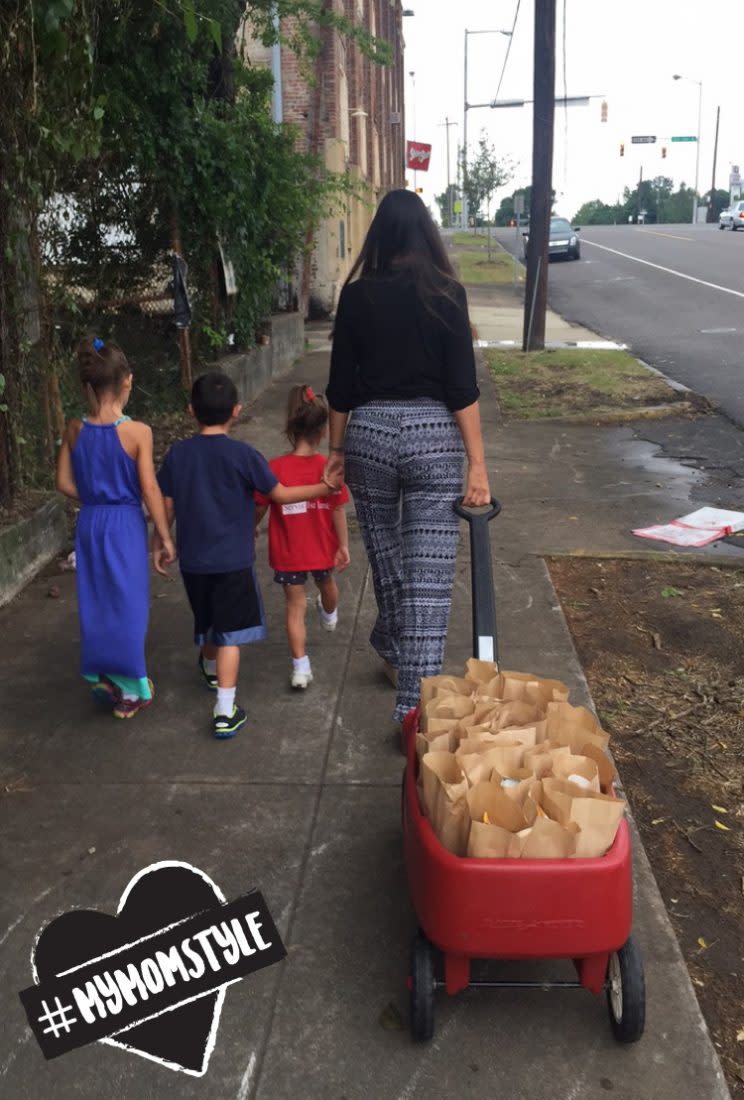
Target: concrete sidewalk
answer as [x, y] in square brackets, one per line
[304, 804]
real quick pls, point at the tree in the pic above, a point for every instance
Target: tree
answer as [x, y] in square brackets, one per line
[505, 214]
[597, 212]
[716, 201]
[483, 176]
[126, 126]
[446, 203]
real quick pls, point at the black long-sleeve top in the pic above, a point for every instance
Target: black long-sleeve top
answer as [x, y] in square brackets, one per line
[388, 346]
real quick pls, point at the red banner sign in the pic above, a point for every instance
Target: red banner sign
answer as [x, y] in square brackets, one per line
[418, 155]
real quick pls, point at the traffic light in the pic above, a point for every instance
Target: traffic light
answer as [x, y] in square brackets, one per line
[419, 190]
[622, 149]
[663, 152]
[604, 110]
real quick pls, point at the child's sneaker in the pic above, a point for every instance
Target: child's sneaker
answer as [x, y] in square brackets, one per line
[105, 692]
[224, 726]
[127, 708]
[210, 677]
[327, 621]
[301, 678]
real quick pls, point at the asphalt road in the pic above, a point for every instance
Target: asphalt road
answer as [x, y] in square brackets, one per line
[674, 294]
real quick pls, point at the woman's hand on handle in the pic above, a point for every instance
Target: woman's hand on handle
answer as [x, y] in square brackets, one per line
[477, 489]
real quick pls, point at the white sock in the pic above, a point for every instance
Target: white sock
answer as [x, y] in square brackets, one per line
[225, 702]
[130, 698]
[210, 667]
[301, 664]
[329, 616]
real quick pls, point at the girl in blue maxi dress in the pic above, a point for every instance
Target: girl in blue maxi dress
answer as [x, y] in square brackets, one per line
[106, 463]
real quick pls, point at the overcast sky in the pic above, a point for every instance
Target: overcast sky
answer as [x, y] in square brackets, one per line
[625, 52]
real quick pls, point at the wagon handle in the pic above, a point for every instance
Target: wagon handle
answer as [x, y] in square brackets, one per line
[485, 645]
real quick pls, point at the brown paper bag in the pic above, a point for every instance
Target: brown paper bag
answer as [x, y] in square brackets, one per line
[525, 735]
[593, 745]
[478, 759]
[547, 839]
[492, 842]
[580, 770]
[446, 706]
[435, 742]
[563, 715]
[597, 815]
[496, 838]
[444, 790]
[554, 690]
[518, 714]
[480, 672]
[489, 798]
[434, 686]
[541, 760]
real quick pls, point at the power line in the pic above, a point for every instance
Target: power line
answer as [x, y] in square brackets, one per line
[508, 49]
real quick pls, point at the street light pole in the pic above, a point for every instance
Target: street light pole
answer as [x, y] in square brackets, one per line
[691, 80]
[466, 108]
[697, 152]
[447, 123]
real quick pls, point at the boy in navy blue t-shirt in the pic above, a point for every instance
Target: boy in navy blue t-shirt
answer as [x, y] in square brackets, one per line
[208, 482]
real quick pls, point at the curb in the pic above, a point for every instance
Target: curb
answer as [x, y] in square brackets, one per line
[731, 561]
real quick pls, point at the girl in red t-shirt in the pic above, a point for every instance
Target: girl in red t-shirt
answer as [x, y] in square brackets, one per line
[311, 537]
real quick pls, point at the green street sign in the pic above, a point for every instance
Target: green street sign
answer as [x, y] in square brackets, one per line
[684, 139]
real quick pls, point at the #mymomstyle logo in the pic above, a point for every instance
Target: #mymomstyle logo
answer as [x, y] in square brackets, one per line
[151, 979]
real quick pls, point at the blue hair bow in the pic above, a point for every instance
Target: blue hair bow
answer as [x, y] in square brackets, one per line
[97, 343]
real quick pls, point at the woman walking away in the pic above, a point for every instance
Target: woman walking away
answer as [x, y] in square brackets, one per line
[106, 463]
[403, 366]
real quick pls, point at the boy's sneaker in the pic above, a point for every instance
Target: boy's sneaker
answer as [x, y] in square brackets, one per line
[127, 708]
[210, 677]
[301, 679]
[224, 726]
[328, 622]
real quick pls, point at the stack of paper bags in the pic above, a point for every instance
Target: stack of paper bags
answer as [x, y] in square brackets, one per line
[509, 769]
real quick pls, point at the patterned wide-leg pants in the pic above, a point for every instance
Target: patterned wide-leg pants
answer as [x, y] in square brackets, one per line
[404, 467]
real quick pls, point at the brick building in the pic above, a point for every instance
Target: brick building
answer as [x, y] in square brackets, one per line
[352, 117]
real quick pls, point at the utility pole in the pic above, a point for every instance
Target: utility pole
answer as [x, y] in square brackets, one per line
[465, 140]
[715, 161]
[640, 181]
[538, 245]
[450, 215]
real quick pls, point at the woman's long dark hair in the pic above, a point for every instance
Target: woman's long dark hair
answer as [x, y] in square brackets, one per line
[403, 237]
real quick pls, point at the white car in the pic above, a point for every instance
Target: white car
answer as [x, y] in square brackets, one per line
[733, 217]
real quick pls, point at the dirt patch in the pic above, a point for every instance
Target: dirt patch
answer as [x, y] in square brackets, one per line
[662, 646]
[575, 381]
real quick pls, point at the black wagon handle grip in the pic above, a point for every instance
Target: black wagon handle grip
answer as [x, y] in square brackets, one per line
[485, 645]
[485, 512]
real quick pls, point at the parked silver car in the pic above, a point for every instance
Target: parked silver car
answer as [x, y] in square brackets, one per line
[563, 239]
[732, 218]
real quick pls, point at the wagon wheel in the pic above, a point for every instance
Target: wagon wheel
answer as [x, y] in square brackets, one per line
[626, 993]
[422, 985]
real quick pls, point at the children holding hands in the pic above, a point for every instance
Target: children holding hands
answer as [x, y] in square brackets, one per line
[209, 482]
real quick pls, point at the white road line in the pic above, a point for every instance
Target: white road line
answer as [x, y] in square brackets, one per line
[667, 270]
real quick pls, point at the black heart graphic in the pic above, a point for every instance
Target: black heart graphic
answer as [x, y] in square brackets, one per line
[158, 896]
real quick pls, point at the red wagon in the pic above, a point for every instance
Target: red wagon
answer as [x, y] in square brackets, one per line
[468, 909]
